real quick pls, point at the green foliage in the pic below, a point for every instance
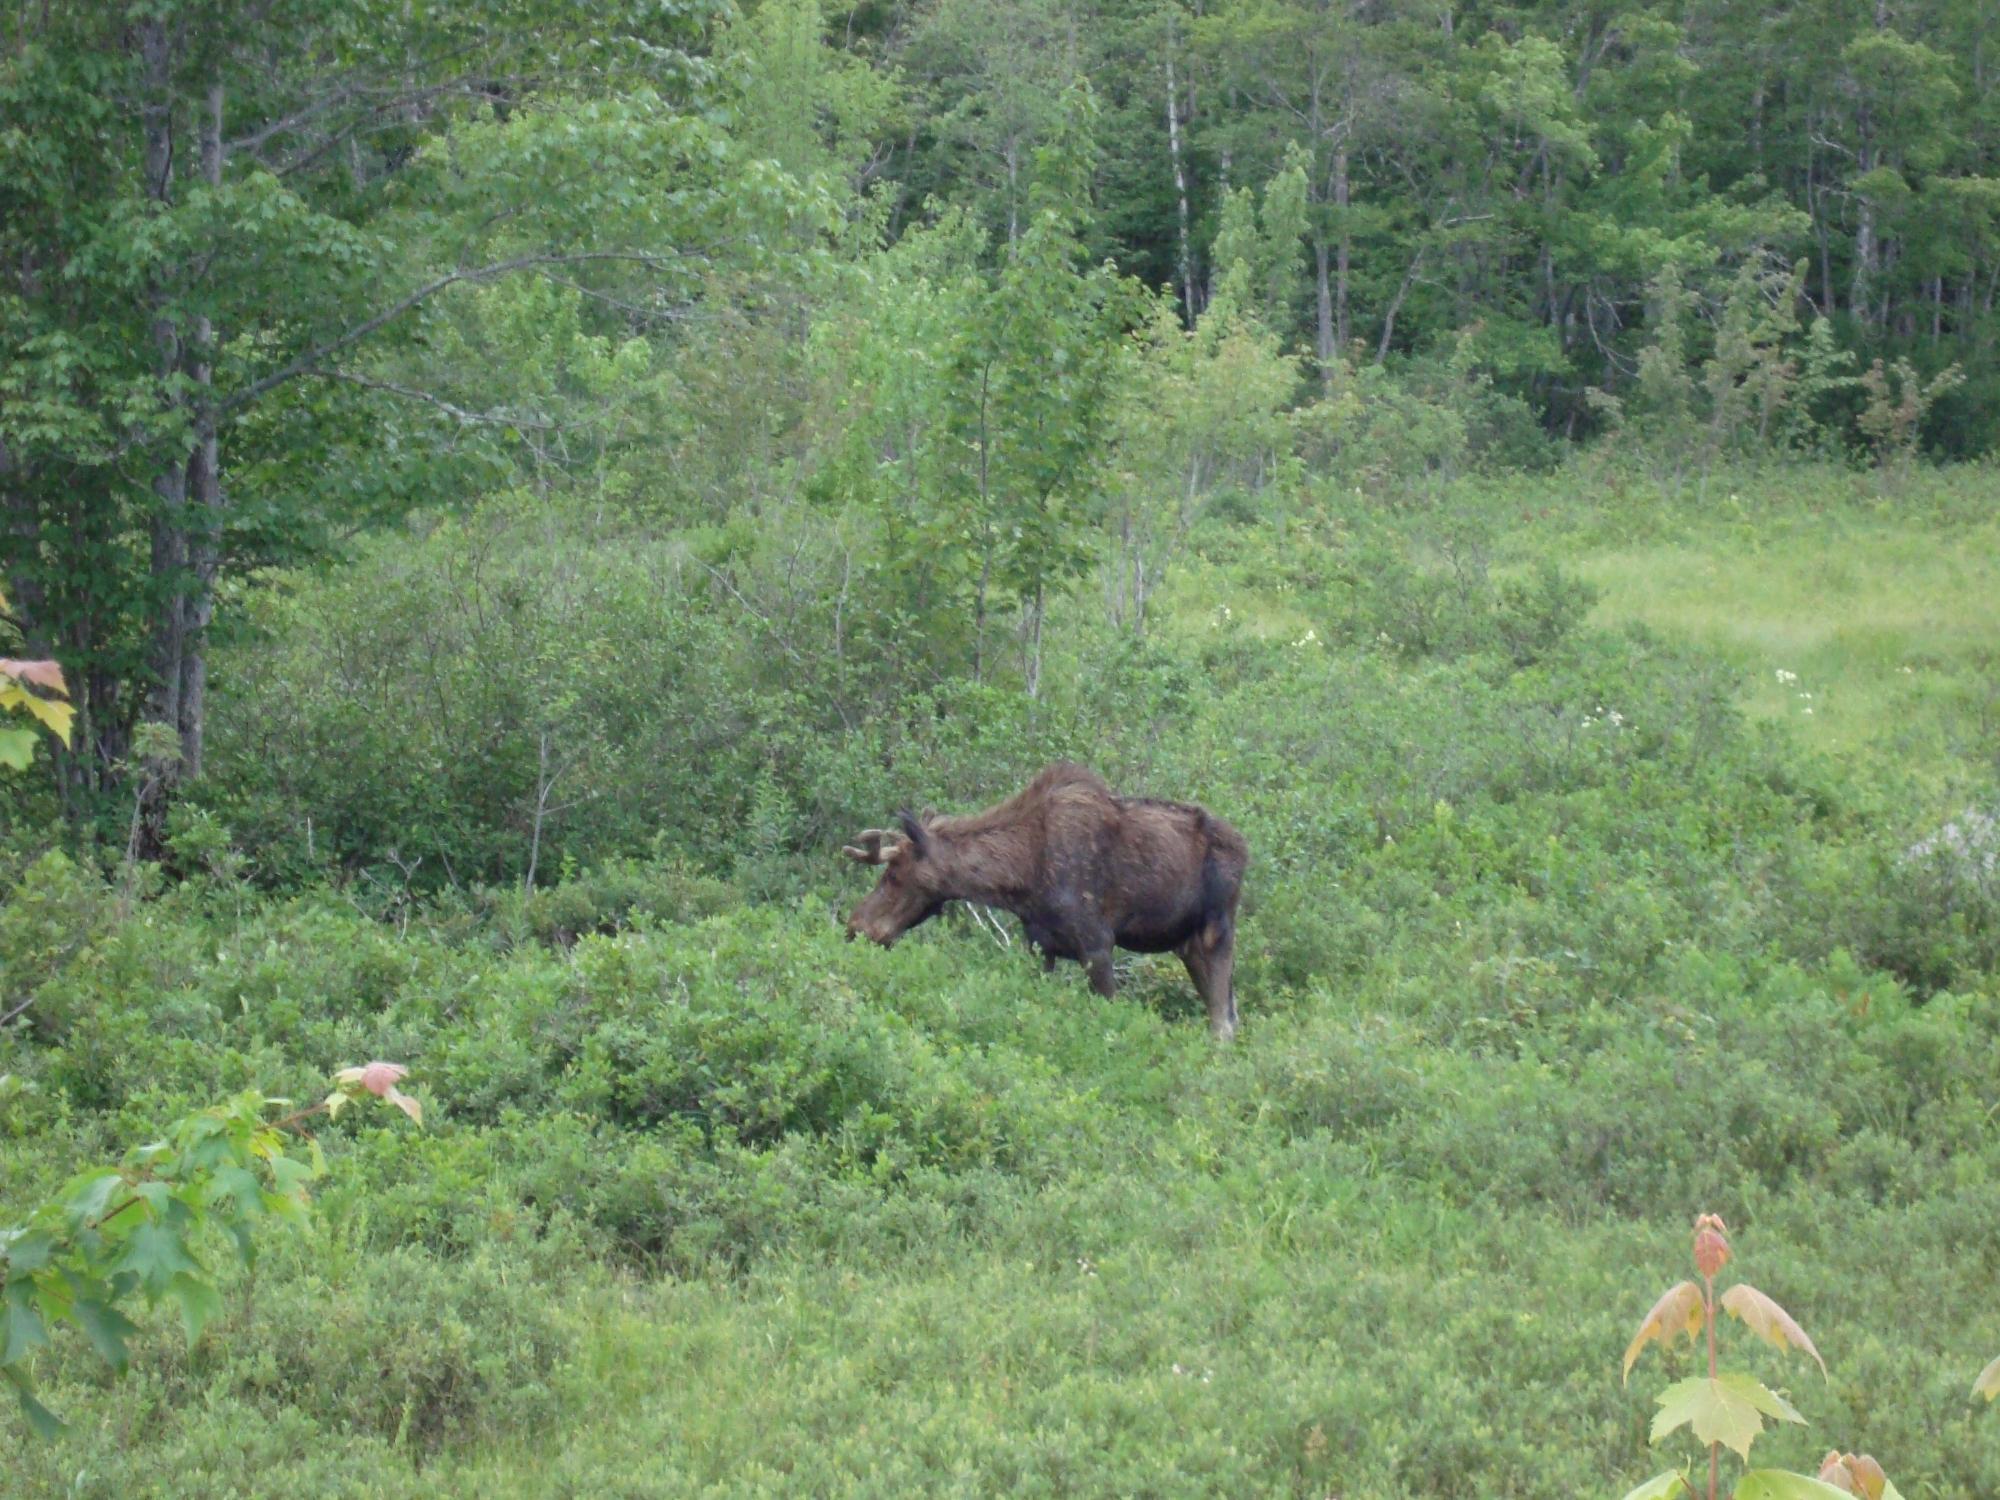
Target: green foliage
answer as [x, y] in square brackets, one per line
[138, 1227]
[533, 486]
[1893, 415]
[1202, 415]
[710, 1174]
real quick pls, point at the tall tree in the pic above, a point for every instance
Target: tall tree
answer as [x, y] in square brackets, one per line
[208, 219]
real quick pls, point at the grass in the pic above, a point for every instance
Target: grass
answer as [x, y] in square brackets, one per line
[1890, 633]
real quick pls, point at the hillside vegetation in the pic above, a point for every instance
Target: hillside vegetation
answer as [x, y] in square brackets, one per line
[493, 495]
[1552, 938]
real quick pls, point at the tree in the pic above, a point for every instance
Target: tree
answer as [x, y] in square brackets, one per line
[975, 400]
[210, 229]
[995, 72]
[1203, 410]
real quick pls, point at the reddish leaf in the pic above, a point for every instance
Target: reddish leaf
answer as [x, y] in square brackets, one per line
[1856, 1473]
[378, 1077]
[1835, 1470]
[1711, 1247]
[1869, 1476]
[46, 674]
[1679, 1310]
[1768, 1321]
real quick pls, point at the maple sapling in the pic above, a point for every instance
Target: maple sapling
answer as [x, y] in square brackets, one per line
[1725, 1409]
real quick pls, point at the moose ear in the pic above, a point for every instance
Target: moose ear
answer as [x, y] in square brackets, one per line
[918, 835]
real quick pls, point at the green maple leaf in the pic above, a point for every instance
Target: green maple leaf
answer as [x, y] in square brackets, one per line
[106, 1328]
[1662, 1487]
[45, 1422]
[1780, 1484]
[23, 1328]
[1728, 1409]
[17, 751]
[155, 1254]
[199, 1302]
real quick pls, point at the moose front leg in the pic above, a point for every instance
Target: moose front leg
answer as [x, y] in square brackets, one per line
[1041, 940]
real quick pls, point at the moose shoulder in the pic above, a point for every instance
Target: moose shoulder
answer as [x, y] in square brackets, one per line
[1085, 870]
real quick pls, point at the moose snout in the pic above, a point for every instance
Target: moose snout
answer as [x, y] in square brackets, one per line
[857, 927]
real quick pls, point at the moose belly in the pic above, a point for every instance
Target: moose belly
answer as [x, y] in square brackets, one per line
[1157, 932]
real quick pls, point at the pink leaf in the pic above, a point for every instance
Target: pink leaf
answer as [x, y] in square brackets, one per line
[379, 1078]
[46, 674]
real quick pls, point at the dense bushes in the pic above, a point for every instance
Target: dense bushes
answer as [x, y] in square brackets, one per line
[934, 1171]
[1545, 944]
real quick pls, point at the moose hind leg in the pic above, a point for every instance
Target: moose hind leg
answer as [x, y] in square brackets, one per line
[1210, 956]
[1103, 978]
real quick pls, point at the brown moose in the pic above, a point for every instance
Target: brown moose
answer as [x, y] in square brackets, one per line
[1083, 868]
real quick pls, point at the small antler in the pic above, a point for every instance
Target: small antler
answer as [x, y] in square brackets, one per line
[873, 847]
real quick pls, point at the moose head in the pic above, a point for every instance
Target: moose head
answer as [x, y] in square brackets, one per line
[913, 887]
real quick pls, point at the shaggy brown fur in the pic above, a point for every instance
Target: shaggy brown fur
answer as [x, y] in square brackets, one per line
[1084, 869]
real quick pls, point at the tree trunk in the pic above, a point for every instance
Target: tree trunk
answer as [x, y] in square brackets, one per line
[1013, 193]
[1180, 181]
[1322, 259]
[1815, 206]
[1396, 304]
[1866, 248]
[1861, 288]
[1039, 608]
[204, 491]
[169, 537]
[1342, 252]
[187, 524]
[986, 535]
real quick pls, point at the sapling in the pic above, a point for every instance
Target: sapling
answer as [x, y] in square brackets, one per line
[137, 1227]
[1725, 1409]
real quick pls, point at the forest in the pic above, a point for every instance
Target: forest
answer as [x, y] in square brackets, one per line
[495, 495]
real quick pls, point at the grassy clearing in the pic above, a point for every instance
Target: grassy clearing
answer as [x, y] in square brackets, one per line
[1887, 634]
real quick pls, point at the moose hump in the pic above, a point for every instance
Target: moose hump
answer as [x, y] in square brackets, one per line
[1085, 870]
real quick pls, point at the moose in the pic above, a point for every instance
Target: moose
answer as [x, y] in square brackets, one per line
[1084, 869]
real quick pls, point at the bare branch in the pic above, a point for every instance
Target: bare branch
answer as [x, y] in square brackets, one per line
[309, 362]
[495, 418]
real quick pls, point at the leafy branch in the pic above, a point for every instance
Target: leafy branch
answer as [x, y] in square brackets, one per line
[133, 1228]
